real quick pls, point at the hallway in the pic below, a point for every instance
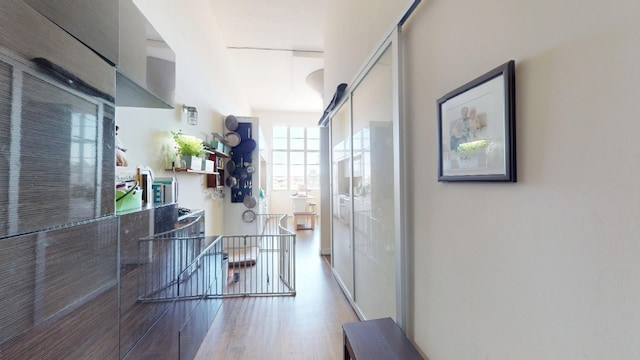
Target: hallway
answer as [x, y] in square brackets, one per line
[307, 326]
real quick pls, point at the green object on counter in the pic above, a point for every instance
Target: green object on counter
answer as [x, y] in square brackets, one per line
[128, 199]
[261, 194]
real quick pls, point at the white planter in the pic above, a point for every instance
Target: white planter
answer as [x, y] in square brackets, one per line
[191, 162]
[209, 165]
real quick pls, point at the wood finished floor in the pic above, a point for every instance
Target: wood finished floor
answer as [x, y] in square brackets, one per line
[307, 326]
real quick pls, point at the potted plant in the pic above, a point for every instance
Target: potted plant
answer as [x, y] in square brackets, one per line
[190, 149]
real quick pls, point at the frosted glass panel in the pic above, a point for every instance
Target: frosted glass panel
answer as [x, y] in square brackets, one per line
[341, 196]
[42, 187]
[373, 192]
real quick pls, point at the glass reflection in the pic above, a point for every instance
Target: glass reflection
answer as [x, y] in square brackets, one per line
[373, 192]
[342, 246]
[84, 149]
[60, 120]
[53, 153]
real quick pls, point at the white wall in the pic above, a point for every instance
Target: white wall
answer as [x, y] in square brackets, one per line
[546, 268]
[353, 31]
[204, 79]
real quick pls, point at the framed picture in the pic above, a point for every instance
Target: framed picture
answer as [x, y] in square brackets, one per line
[476, 129]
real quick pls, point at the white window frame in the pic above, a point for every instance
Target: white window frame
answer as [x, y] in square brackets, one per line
[289, 151]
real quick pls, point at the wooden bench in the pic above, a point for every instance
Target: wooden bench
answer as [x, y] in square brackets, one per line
[377, 339]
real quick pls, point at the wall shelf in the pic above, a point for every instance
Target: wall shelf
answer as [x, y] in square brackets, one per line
[217, 153]
[194, 171]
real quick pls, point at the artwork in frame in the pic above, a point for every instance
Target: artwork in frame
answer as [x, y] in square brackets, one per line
[476, 129]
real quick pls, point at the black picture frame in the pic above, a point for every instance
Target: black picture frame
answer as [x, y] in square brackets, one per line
[476, 129]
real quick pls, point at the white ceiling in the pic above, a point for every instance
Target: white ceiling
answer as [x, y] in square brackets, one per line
[274, 45]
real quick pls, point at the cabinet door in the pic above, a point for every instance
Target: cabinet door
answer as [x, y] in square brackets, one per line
[57, 121]
[93, 22]
[146, 67]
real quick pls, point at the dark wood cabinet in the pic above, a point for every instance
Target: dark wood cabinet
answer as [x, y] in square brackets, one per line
[60, 293]
[136, 318]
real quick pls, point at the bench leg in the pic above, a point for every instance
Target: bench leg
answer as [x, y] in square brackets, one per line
[347, 356]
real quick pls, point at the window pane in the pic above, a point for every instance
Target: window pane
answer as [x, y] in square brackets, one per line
[279, 157]
[280, 143]
[297, 144]
[280, 170]
[280, 177]
[313, 144]
[297, 158]
[280, 183]
[296, 132]
[296, 181]
[313, 158]
[280, 131]
[297, 170]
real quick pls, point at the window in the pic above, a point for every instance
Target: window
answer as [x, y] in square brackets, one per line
[296, 157]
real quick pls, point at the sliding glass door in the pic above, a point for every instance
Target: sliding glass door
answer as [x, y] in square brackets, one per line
[366, 198]
[373, 191]
[341, 194]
